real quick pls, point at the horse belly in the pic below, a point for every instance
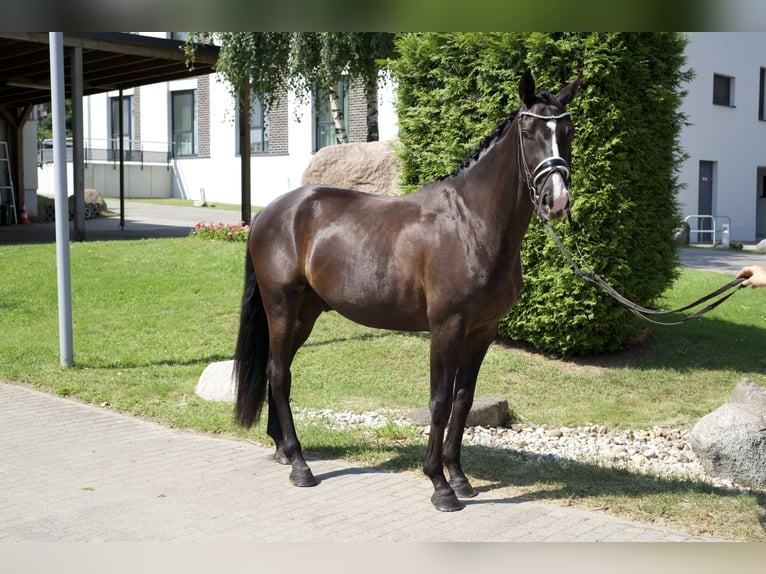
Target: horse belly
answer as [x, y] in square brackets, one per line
[369, 290]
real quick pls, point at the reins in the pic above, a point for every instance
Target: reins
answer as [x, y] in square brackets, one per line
[591, 276]
[559, 165]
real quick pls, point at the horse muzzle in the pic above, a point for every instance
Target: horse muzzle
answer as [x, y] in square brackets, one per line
[551, 179]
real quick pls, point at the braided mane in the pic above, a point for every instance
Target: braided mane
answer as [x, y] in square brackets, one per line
[483, 146]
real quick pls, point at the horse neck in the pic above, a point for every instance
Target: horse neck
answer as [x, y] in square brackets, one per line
[495, 190]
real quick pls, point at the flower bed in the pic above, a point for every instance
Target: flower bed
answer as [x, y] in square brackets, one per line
[221, 231]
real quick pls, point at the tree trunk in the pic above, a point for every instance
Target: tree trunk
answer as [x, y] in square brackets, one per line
[371, 93]
[336, 108]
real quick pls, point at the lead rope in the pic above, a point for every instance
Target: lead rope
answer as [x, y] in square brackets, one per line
[591, 276]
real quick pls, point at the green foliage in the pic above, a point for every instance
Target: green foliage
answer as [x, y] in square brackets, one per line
[454, 89]
[263, 57]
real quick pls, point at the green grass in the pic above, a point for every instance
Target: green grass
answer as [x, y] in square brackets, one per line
[150, 315]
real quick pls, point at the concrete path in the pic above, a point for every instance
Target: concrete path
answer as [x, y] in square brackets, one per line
[78, 473]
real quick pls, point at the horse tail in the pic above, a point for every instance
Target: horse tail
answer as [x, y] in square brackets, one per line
[252, 351]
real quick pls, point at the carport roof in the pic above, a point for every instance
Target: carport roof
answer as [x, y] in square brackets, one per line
[111, 61]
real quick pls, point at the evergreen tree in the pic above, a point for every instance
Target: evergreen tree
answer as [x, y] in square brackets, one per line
[454, 89]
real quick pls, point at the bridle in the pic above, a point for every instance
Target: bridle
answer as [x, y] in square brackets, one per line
[547, 167]
[556, 164]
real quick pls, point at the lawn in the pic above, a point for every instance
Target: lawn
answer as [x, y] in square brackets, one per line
[150, 315]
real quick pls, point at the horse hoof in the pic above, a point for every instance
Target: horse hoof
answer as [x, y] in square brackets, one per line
[447, 503]
[302, 478]
[463, 489]
[280, 456]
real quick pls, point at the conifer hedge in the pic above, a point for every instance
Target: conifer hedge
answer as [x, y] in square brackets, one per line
[453, 89]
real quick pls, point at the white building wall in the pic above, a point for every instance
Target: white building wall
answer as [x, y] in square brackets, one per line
[219, 175]
[731, 137]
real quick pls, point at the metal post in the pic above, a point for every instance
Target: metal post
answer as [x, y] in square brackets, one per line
[122, 163]
[78, 165]
[56, 40]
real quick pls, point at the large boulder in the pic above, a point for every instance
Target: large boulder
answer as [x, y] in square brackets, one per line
[216, 383]
[730, 442]
[371, 167]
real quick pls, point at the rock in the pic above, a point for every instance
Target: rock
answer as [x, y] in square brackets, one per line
[94, 204]
[730, 442]
[485, 412]
[216, 383]
[680, 236]
[750, 395]
[371, 167]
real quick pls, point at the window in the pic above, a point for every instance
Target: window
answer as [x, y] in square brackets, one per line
[762, 96]
[183, 123]
[324, 127]
[114, 125]
[723, 90]
[259, 126]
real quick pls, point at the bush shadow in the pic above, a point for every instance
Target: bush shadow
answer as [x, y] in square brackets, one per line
[706, 343]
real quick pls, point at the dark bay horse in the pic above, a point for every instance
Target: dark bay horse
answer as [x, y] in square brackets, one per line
[444, 259]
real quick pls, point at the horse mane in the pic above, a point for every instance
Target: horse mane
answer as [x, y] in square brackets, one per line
[483, 146]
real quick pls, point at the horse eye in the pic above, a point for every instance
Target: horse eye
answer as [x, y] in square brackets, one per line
[526, 135]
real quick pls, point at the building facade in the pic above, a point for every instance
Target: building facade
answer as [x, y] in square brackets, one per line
[182, 139]
[724, 177]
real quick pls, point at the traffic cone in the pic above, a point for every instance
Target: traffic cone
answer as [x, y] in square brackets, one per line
[24, 218]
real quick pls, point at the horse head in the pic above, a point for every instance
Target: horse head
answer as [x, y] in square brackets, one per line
[545, 145]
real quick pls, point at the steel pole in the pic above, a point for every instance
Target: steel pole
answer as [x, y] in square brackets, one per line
[56, 41]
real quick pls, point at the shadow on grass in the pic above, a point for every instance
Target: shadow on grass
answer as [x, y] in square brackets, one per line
[87, 363]
[705, 343]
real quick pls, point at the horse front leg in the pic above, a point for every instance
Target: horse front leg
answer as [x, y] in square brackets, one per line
[472, 355]
[445, 343]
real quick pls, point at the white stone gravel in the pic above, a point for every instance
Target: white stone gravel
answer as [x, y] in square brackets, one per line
[660, 452]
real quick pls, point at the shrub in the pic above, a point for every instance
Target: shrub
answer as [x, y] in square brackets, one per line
[221, 231]
[455, 88]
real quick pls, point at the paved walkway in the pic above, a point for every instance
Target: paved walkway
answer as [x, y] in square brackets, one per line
[73, 472]
[78, 473]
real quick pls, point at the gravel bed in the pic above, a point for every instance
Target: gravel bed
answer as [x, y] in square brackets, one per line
[660, 452]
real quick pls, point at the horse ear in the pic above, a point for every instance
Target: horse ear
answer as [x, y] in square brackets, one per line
[527, 89]
[567, 94]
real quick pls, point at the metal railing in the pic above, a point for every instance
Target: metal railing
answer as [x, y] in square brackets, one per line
[710, 231]
[108, 150]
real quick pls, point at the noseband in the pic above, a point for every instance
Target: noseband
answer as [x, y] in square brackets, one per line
[545, 168]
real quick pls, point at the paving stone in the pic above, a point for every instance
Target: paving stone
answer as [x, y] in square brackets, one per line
[130, 480]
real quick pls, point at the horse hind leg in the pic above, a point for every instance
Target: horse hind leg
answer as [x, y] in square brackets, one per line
[280, 426]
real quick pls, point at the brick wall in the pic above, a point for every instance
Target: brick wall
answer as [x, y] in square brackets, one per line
[203, 116]
[357, 123]
[278, 126]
